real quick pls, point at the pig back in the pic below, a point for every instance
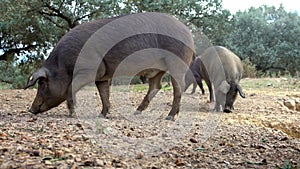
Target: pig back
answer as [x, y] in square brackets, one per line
[232, 65]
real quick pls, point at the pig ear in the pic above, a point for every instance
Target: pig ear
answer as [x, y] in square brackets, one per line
[224, 87]
[239, 89]
[38, 74]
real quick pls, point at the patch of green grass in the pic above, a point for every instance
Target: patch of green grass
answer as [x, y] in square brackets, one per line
[286, 165]
[167, 87]
[139, 87]
[144, 87]
[4, 86]
[271, 83]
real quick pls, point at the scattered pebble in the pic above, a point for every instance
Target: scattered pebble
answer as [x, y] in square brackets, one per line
[179, 162]
[36, 152]
[193, 140]
[32, 119]
[54, 141]
[139, 155]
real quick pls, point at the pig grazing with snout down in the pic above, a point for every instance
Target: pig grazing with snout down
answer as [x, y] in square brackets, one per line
[222, 71]
[144, 44]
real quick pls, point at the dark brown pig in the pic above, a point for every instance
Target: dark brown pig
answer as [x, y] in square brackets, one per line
[147, 44]
[222, 71]
[194, 76]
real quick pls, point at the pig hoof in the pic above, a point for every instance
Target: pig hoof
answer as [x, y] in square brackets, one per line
[72, 113]
[227, 110]
[171, 118]
[137, 112]
[101, 116]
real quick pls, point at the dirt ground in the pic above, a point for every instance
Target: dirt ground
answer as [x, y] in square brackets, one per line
[260, 133]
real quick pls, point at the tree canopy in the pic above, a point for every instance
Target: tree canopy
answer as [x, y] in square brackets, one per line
[268, 37]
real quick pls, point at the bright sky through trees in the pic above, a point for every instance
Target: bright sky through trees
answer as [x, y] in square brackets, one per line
[234, 6]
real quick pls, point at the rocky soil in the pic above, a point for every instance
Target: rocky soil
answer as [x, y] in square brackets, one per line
[262, 132]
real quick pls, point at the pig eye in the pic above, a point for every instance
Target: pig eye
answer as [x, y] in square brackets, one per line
[42, 82]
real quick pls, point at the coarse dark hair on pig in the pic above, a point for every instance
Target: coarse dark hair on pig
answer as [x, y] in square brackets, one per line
[56, 76]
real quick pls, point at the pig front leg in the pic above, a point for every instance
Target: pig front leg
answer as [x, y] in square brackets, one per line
[70, 102]
[220, 101]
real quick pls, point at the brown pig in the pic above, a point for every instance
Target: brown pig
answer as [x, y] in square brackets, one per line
[144, 44]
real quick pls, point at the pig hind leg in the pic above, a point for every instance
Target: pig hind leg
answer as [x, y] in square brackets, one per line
[199, 82]
[194, 88]
[176, 100]
[154, 87]
[103, 88]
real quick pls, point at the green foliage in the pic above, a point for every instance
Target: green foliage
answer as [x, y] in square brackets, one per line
[31, 29]
[249, 69]
[287, 165]
[136, 80]
[268, 37]
[4, 85]
[36, 26]
[166, 78]
[14, 76]
[21, 33]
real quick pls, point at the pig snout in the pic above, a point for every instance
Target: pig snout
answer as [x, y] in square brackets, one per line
[228, 109]
[36, 108]
[33, 111]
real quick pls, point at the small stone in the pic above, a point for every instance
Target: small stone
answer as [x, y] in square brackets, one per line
[36, 152]
[74, 166]
[99, 162]
[291, 104]
[3, 135]
[33, 119]
[79, 126]
[297, 105]
[48, 162]
[193, 140]
[77, 159]
[67, 150]
[283, 139]
[139, 155]
[58, 153]
[19, 96]
[179, 162]
[88, 163]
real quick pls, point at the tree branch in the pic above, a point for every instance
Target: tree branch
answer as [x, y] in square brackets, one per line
[47, 16]
[5, 81]
[58, 13]
[273, 67]
[8, 52]
[87, 15]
